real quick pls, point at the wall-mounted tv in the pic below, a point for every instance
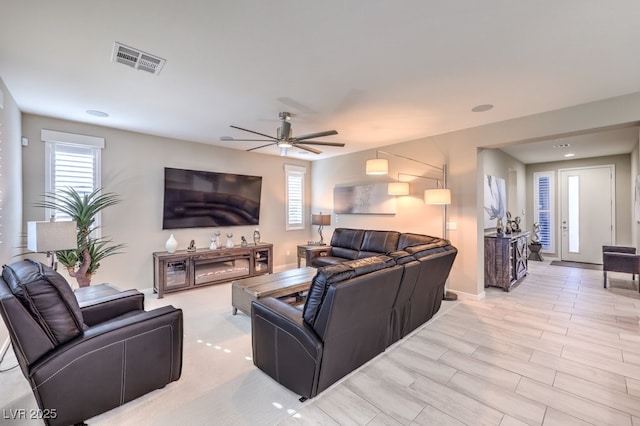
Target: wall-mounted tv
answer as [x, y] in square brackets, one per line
[198, 199]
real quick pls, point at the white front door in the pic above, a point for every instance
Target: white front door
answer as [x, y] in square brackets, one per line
[587, 212]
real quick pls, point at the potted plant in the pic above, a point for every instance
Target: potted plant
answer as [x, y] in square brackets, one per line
[84, 261]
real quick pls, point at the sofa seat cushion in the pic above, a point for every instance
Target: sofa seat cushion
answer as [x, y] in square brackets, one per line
[48, 298]
[332, 274]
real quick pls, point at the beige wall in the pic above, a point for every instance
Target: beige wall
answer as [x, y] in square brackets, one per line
[133, 167]
[10, 178]
[460, 151]
[623, 193]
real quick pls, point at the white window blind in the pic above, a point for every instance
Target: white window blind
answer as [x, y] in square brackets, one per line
[72, 161]
[294, 182]
[543, 208]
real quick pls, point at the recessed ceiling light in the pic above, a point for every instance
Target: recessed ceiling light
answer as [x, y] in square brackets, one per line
[97, 113]
[562, 145]
[570, 155]
[482, 108]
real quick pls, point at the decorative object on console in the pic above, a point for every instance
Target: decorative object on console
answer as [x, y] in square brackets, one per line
[217, 242]
[213, 246]
[256, 236]
[321, 220]
[229, 243]
[171, 244]
[508, 229]
[49, 237]
[192, 246]
[243, 241]
[499, 226]
[82, 262]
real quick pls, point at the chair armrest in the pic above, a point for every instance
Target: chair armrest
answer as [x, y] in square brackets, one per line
[284, 346]
[103, 302]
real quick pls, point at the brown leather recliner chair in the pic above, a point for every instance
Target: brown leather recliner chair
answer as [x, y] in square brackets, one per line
[620, 259]
[81, 365]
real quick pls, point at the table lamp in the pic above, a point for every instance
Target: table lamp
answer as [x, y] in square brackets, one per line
[321, 220]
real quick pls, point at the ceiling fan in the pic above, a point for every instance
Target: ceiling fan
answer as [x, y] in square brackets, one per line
[284, 138]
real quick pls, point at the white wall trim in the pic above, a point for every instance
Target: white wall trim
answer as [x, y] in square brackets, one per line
[71, 138]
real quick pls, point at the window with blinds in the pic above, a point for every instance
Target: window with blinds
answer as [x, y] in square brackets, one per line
[294, 182]
[72, 161]
[543, 208]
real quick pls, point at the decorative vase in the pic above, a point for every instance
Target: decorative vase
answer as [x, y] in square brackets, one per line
[229, 243]
[171, 244]
[256, 236]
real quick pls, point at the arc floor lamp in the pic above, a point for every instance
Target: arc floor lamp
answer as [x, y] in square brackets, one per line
[440, 195]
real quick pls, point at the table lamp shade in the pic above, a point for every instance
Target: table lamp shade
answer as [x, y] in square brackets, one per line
[51, 236]
[321, 219]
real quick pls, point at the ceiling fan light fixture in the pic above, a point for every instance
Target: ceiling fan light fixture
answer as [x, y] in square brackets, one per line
[284, 144]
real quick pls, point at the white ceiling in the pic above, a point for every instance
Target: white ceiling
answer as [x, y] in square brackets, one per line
[379, 72]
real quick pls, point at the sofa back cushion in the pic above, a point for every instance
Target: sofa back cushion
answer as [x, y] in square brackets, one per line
[48, 298]
[409, 239]
[346, 242]
[378, 242]
[329, 275]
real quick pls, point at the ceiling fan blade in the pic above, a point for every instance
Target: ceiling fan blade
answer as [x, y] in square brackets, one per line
[262, 146]
[230, 139]
[323, 143]
[308, 148]
[315, 135]
[256, 133]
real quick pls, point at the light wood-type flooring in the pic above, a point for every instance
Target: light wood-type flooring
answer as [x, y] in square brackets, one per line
[558, 349]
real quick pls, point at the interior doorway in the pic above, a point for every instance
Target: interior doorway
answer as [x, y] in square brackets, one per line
[587, 212]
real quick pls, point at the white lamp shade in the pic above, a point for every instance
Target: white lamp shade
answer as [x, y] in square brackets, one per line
[437, 196]
[377, 166]
[398, 188]
[51, 236]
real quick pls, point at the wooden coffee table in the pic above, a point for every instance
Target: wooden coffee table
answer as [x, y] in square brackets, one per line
[278, 284]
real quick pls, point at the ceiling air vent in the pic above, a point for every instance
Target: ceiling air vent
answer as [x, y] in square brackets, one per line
[137, 59]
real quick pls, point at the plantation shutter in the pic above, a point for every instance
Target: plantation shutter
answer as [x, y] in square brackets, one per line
[543, 212]
[73, 161]
[294, 181]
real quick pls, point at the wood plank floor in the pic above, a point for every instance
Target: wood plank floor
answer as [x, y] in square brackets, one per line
[556, 350]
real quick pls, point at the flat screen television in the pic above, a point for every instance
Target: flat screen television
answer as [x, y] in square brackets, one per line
[199, 199]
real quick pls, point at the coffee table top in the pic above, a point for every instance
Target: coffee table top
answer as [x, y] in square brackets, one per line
[285, 282]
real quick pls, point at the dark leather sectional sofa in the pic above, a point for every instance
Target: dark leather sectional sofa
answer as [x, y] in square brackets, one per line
[356, 307]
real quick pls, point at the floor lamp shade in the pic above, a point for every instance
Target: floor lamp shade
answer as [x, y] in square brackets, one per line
[51, 236]
[377, 166]
[437, 196]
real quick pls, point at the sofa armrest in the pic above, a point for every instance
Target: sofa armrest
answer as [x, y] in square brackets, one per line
[284, 346]
[103, 302]
[126, 358]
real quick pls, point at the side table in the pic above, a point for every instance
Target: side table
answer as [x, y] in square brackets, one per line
[308, 252]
